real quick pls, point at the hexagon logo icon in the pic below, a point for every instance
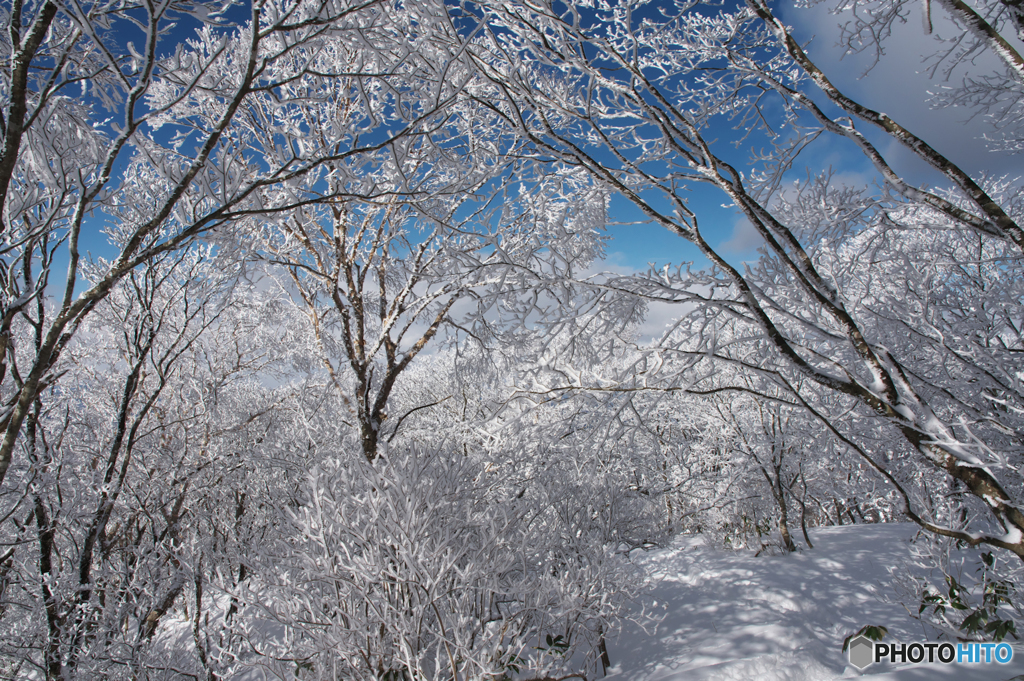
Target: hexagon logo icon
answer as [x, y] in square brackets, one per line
[862, 652]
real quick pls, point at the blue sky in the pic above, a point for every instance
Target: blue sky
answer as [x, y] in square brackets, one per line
[897, 85]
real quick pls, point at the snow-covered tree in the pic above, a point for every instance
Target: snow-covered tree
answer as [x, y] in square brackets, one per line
[378, 281]
[120, 456]
[157, 150]
[631, 94]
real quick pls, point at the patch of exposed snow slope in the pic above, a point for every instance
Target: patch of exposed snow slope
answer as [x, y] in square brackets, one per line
[728, 615]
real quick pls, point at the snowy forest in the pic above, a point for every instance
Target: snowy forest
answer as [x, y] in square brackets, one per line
[313, 365]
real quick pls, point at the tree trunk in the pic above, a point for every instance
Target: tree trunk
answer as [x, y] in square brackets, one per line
[787, 540]
[803, 511]
[603, 650]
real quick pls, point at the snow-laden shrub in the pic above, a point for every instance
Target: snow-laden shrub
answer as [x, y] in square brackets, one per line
[961, 592]
[427, 565]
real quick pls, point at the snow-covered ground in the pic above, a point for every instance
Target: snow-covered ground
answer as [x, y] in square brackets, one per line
[731, 615]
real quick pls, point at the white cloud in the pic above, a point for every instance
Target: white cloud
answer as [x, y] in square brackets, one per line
[659, 317]
[744, 239]
[900, 86]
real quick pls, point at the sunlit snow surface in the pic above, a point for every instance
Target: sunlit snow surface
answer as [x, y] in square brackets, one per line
[730, 615]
